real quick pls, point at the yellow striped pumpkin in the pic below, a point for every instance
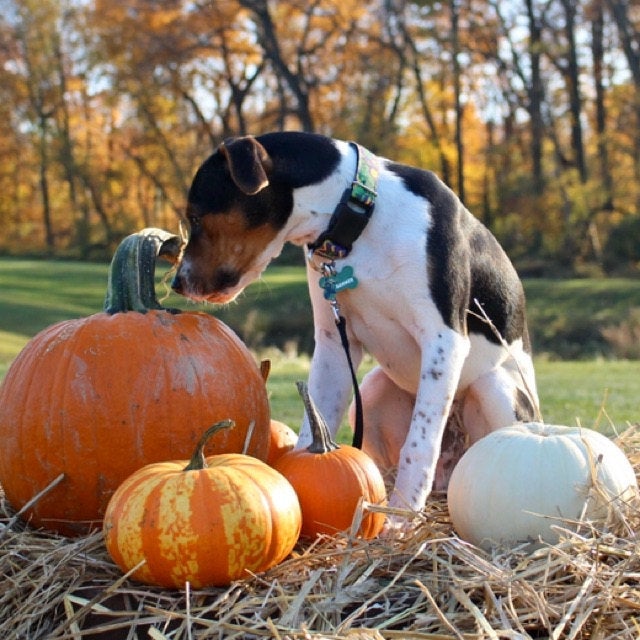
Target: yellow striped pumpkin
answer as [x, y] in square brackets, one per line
[207, 523]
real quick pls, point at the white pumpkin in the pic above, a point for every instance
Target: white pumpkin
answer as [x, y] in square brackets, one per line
[516, 483]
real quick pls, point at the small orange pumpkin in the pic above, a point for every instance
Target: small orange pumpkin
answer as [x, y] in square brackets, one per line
[331, 481]
[207, 523]
[282, 439]
[93, 399]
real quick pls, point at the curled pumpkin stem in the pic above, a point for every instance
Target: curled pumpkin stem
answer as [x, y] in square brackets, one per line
[131, 285]
[198, 461]
[322, 440]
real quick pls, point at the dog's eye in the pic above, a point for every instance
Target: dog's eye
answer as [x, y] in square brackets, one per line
[194, 223]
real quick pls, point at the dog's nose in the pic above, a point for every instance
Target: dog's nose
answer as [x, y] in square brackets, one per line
[177, 284]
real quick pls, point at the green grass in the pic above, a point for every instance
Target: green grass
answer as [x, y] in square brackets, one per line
[565, 318]
[600, 394]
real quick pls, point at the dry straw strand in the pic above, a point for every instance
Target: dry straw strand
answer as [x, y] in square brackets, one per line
[429, 584]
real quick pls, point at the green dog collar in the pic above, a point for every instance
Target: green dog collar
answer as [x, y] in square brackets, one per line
[353, 212]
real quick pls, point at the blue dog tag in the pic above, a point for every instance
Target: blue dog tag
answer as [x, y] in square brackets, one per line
[335, 283]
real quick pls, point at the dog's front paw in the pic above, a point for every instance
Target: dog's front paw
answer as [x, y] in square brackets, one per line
[399, 524]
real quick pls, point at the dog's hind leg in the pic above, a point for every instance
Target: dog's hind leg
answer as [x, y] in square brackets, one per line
[442, 360]
[387, 411]
[498, 398]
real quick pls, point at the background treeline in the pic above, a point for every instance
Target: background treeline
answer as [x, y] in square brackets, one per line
[529, 109]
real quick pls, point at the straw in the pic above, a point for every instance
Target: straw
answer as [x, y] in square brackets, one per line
[429, 584]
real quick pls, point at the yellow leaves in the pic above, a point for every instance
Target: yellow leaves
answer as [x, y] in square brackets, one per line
[160, 18]
[151, 87]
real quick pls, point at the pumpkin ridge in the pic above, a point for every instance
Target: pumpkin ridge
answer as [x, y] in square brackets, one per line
[270, 538]
[266, 484]
[206, 499]
[80, 443]
[159, 519]
[124, 544]
[59, 448]
[23, 434]
[255, 524]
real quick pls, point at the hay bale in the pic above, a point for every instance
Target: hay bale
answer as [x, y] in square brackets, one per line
[428, 585]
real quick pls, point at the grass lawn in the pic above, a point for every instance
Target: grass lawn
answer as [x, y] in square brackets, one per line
[601, 394]
[598, 394]
[565, 316]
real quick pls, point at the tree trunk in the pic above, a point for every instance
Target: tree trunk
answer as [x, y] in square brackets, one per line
[572, 74]
[630, 39]
[455, 45]
[44, 183]
[536, 97]
[597, 53]
[271, 46]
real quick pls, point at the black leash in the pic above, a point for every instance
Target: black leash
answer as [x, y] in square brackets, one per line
[332, 282]
[348, 221]
[358, 427]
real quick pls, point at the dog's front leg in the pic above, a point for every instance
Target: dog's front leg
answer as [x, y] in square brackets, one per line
[442, 360]
[329, 380]
[330, 383]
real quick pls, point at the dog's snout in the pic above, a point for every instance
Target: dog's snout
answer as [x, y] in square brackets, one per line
[225, 277]
[210, 286]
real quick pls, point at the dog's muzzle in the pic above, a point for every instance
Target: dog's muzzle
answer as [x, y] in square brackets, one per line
[215, 288]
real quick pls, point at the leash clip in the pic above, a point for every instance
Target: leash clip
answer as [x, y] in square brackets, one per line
[310, 256]
[328, 269]
[335, 307]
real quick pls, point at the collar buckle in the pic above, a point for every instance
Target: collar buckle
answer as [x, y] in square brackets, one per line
[352, 214]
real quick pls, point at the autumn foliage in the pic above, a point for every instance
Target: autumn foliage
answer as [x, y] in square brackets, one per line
[528, 109]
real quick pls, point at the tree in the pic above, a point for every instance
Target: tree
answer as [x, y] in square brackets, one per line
[107, 108]
[36, 37]
[596, 12]
[629, 33]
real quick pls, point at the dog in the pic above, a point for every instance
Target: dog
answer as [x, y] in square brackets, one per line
[431, 295]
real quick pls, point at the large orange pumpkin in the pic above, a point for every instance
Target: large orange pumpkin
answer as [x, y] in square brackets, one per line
[331, 481]
[98, 397]
[209, 522]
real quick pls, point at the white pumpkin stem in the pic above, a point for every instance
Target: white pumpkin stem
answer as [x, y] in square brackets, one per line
[322, 441]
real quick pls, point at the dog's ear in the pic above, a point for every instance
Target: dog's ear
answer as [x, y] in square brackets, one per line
[248, 162]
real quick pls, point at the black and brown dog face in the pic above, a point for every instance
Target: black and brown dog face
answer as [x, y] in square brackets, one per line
[238, 205]
[235, 214]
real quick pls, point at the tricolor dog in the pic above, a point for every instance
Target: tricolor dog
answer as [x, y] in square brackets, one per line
[421, 284]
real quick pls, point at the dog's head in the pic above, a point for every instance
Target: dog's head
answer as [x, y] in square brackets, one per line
[234, 213]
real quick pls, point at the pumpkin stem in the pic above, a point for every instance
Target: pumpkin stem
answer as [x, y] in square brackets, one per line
[265, 369]
[198, 461]
[131, 284]
[322, 440]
